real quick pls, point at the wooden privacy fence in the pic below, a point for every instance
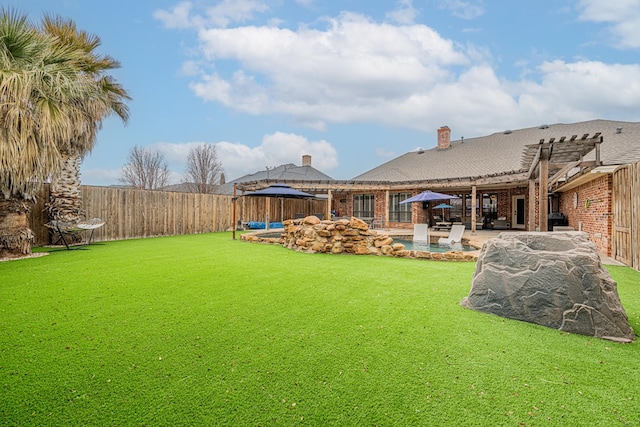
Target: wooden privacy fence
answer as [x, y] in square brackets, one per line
[130, 213]
[626, 215]
[253, 208]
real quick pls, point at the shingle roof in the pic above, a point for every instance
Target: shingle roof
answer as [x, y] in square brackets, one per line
[501, 152]
[283, 172]
[183, 187]
[288, 171]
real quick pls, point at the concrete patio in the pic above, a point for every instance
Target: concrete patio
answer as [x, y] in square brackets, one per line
[476, 239]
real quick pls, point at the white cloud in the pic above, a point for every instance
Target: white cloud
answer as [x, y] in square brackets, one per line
[97, 176]
[191, 68]
[464, 9]
[404, 14]
[178, 17]
[221, 14]
[623, 15]
[229, 11]
[175, 154]
[239, 159]
[354, 69]
[580, 90]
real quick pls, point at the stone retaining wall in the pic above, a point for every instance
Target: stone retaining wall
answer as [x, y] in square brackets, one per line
[347, 236]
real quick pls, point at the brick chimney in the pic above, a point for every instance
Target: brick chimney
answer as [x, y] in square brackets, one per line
[306, 160]
[444, 138]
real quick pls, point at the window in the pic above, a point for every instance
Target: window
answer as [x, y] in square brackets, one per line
[363, 205]
[398, 212]
[455, 213]
[490, 205]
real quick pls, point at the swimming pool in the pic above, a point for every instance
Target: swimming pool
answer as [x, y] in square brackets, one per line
[434, 247]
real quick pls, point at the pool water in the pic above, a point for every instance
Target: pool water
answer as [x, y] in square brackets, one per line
[434, 247]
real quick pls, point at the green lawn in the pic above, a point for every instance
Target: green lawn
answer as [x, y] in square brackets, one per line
[204, 330]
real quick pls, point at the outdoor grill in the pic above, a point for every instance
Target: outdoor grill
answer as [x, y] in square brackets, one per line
[556, 218]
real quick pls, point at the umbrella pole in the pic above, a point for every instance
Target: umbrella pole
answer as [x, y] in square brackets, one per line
[268, 204]
[234, 211]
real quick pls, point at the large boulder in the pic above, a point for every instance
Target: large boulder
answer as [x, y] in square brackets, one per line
[551, 279]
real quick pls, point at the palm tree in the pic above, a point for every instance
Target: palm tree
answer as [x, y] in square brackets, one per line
[65, 202]
[39, 89]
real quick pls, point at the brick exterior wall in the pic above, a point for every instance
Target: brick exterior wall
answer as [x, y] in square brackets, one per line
[419, 215]
[593, 211]
[594, 217]
[342, 203]
[505, 197]
[379, 204]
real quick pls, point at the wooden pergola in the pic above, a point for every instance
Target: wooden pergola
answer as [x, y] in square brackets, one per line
[559, 157]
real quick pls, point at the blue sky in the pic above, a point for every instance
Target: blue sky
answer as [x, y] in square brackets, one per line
[353, 83]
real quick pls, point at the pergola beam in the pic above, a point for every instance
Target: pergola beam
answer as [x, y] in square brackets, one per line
[534, 163]
[474, 214]
[563, 172]
[531, 217]
[321, 187]
[543, 191]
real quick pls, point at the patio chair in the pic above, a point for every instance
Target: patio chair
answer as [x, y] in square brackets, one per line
[377, 222]
[62, 229]
[421, 233]
[455, 235]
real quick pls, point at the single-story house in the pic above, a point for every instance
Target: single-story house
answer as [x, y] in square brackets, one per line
[535, 178]
[498, 179]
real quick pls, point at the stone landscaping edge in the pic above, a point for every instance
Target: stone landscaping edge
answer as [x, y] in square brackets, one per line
[346, 236]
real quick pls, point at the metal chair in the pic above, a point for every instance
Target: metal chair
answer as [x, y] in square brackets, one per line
[63, 229]
[377, 222]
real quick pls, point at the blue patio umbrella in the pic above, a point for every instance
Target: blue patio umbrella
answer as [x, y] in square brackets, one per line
[281, 191]
[428, 196]
[443, 206]
[278, 191]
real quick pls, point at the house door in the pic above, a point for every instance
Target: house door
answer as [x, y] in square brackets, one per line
[518, 219]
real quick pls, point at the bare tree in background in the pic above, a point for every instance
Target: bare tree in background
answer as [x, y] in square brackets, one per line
[145, 169]
[204, 169]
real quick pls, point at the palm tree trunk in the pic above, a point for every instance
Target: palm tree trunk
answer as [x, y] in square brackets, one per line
[16, 238]
[65, 199]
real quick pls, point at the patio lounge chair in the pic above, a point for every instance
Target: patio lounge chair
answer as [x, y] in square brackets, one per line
[62, 229]
[455, 235]
[421, 233]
